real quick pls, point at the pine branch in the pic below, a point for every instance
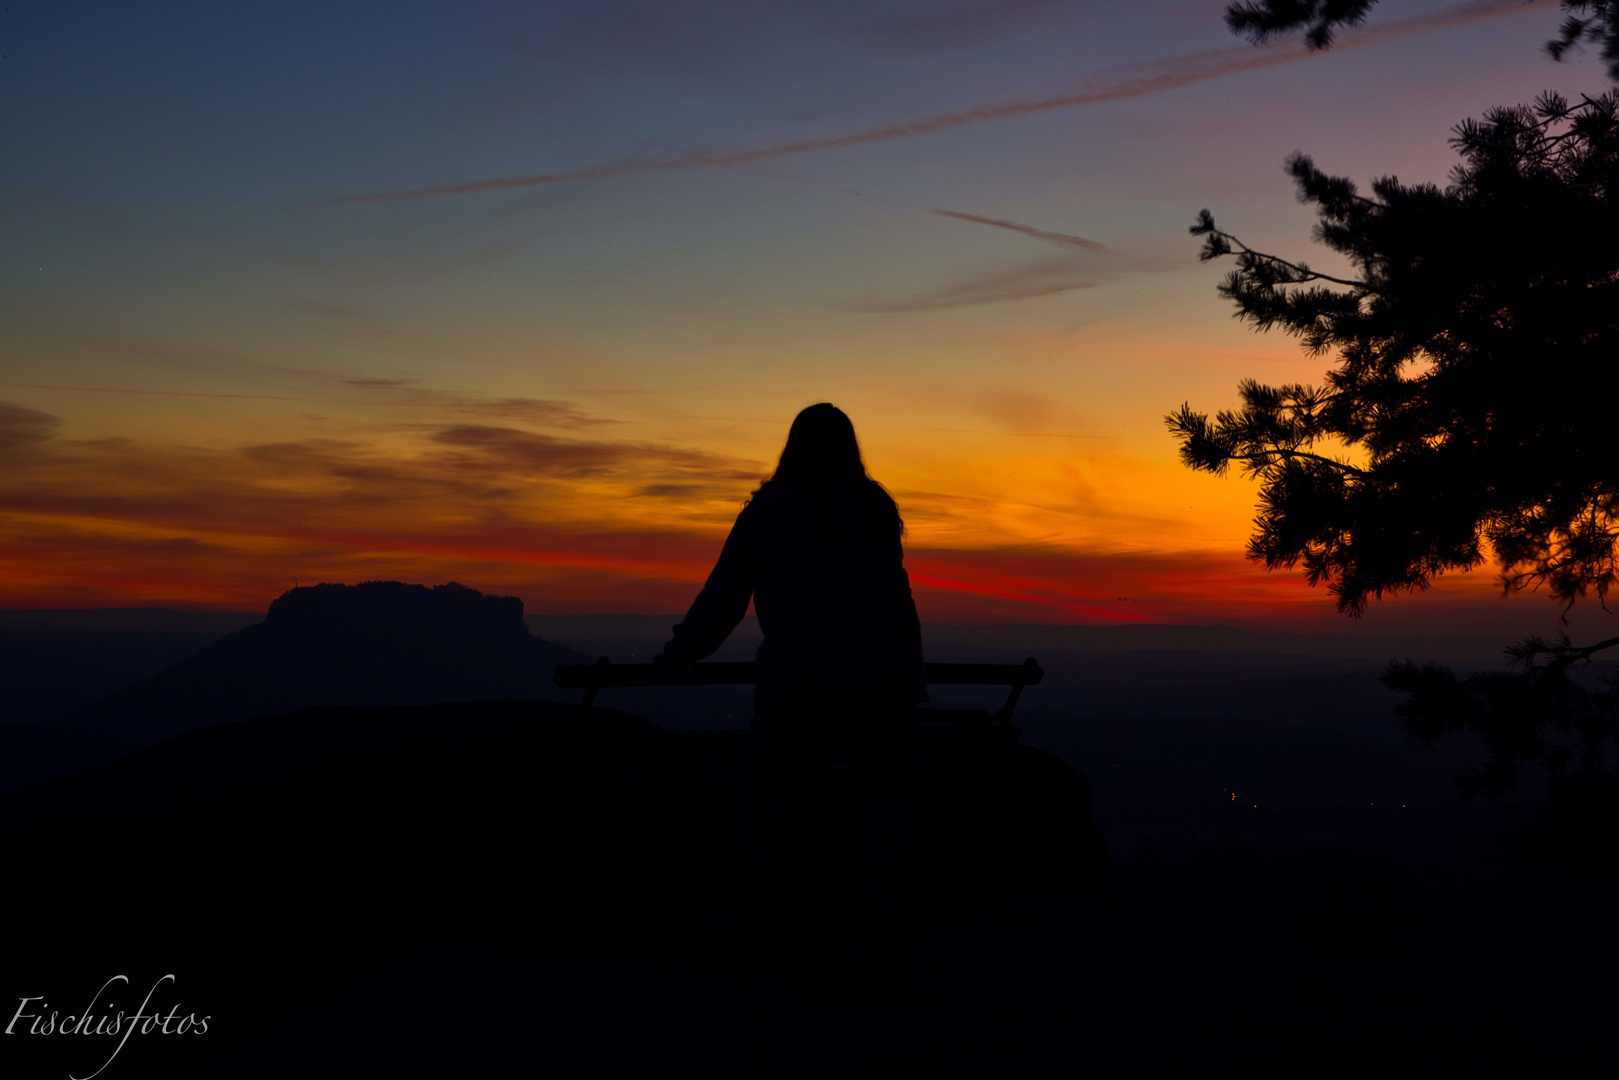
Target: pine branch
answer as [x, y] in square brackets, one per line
[1221, 243]
[1563, 653]
[1281, 452]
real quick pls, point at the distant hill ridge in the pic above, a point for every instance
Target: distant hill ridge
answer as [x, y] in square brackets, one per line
[125, 620]
[379, 643]
[376, 643]
[55, 661]
[590, 631]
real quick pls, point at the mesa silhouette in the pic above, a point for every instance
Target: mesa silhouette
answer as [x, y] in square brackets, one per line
[379, 643]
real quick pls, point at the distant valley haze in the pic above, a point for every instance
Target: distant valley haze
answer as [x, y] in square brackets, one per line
[82, 686]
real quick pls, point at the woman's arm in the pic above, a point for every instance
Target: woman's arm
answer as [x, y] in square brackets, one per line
[724, 599]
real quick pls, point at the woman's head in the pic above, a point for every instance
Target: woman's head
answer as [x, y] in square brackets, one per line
[821, 448]
[822, 457]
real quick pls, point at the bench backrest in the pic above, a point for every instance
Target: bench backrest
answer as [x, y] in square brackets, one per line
[605, 674]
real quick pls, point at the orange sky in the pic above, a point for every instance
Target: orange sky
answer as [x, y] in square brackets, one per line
[218, 377]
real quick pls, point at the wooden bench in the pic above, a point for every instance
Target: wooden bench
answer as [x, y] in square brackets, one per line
[962, 740]
[604, 674]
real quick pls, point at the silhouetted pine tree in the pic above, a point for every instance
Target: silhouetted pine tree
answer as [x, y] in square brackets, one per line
[1474, 407]
[1594, 21]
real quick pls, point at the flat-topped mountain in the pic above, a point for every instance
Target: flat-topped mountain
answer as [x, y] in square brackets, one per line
[379, 643]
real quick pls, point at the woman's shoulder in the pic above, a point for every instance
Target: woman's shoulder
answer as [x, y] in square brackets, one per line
[784, 499]
[776, 494]
[772, 505]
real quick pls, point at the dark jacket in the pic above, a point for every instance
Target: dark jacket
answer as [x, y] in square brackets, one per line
[826, 574]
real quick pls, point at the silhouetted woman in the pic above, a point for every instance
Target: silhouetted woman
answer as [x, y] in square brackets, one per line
[817, 549]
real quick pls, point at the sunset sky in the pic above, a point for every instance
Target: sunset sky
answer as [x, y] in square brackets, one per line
[526, 295]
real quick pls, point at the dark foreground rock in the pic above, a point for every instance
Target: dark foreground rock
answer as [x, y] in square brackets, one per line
[380, 882]
[480, 889]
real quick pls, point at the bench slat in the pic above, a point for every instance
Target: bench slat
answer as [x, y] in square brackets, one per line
[725, 673]
[599, 675]
[1027, 673]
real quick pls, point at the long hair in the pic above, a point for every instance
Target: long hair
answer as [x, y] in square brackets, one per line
[822, 456]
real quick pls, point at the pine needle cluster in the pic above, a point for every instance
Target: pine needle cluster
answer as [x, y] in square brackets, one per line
[1476, 386]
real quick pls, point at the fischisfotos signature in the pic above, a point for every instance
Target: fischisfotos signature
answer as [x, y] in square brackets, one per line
[34, 1016]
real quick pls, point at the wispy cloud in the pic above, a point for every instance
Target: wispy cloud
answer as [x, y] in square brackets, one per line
[454, 473]
[510, 451]
[152, 393]
[1021, 283]
[569, 525]
[22, 427]
[540, 411]
[1064, 240]
[390, 393]
[137, 520]
[1130, 81]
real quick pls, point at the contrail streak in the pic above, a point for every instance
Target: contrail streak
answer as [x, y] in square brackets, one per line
[1060, 239]
[157, 393]
[1156, 77]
